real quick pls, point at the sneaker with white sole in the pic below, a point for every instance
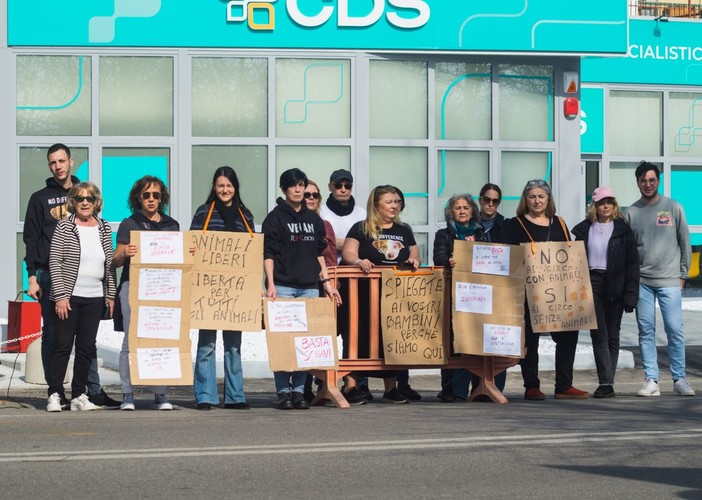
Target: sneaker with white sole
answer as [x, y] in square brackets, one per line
[649, 388]
[161, 402]
[682, 388]
[54, 403]
[127, 402]
[82, 403]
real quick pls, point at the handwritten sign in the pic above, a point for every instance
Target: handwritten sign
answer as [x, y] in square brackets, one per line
[491, 259]
[287, 316]
[473, 298]
[558, 287]
[161, 247]
[226, 280]
[158, 363]
[315, 351]
[160, 284]
[159, 322]
[502, 340]
[411, 312]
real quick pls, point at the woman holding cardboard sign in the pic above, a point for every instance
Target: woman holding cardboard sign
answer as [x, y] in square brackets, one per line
[148, 199]
[614, 274]
[223, 211]
[537, 221]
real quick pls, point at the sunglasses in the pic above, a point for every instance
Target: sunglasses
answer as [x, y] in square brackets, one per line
[490, 201]
[316, 196]
[340, 185]
[146, 195]
[81, 199]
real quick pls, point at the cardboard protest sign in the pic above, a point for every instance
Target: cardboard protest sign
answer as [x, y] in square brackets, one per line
[411, 315]
[301, 334]
[227, 280]
[159, 302]
[488, 299]
[558, 287]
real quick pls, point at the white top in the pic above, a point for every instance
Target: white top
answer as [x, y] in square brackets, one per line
[342, 224]
[597, 242]
[92, 264]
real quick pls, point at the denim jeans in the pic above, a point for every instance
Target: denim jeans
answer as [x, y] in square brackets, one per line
[205, 383]
[48, 335]
[284, 381]
[125, 377]
[670, 302]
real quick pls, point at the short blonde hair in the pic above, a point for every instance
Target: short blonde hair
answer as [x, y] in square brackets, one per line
[89, 188]
[592, 210]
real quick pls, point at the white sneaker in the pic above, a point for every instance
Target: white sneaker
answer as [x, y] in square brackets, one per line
[82, 403]
[127, 402]
[682, 388]
[54, 403]
[161, 402]
[650, 388]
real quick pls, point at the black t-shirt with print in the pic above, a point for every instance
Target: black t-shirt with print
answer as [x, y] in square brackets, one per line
[391, 249]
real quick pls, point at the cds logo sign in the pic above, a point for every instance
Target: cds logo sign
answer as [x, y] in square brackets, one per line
[260, 15]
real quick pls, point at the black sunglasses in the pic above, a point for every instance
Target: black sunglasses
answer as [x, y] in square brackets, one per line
[339, 185]
[81, 199]
[316, 196]
[487, 200]
[146, 195]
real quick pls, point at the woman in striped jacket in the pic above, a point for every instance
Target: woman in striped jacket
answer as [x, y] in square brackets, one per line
[83, 290]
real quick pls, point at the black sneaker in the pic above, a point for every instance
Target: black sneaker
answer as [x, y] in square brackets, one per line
[204, 406]
[354, 397]
[299, 402]
[65, 404]
[284, 402]
[104, 401]
[394, 397]
[237, 406]
[604, 391]
[410, 393]
[447, 397]
[365, 392]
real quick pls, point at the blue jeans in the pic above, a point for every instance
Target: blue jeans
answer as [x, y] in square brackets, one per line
[205, 383]
[670, 302]
[48, 335]
[284, 381]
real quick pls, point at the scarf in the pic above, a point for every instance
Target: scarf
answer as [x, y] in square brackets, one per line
[229, 215]
[338, 208]
[461, 231]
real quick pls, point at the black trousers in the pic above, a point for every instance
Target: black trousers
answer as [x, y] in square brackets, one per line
[81, 327]
[605, 339]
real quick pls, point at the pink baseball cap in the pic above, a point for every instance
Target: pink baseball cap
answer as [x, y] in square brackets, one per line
[601, 193]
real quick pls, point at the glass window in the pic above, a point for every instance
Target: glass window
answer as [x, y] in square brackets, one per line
[229, 97]
[405, 168]
[53, 95]
[623, 181]
[34, 170]
[463, 101]
[518, 167]
[121, 167]
[684, 188]
[526, 102]
[634, 123]
[136, 96]
[398, 100]
[685, 124]
[251, 166]
[317, 162]
[422, 240]
[313, 98]
[460, 172]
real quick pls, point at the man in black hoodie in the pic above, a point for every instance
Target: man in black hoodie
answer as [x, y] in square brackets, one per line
[45, 209]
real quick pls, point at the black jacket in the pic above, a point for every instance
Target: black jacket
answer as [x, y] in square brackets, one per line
[622, 275]
[45, 209]
[443, 244]
[496, 233]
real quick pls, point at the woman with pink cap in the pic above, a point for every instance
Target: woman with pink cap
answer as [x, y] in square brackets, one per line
[614, 273]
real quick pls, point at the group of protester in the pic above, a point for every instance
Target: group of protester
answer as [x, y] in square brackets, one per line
[634, 258]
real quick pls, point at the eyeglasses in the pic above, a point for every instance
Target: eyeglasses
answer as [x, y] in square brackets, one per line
[536, 182]
[81, 199]
[147, 194]
[316, 196]
[490, 201]
[340, 185]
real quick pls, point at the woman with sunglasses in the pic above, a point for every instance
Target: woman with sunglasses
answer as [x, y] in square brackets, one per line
[148, 200]
[82, 289]
[537, 221]
[492, 221]
[613, 260]
[224, 210]
[313, 199]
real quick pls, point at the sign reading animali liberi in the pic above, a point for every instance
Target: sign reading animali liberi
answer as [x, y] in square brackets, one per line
[558, 287]
[226, 280]
[411, 312]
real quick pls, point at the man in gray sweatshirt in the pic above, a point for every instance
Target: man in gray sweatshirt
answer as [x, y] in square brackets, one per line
[663, 242]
